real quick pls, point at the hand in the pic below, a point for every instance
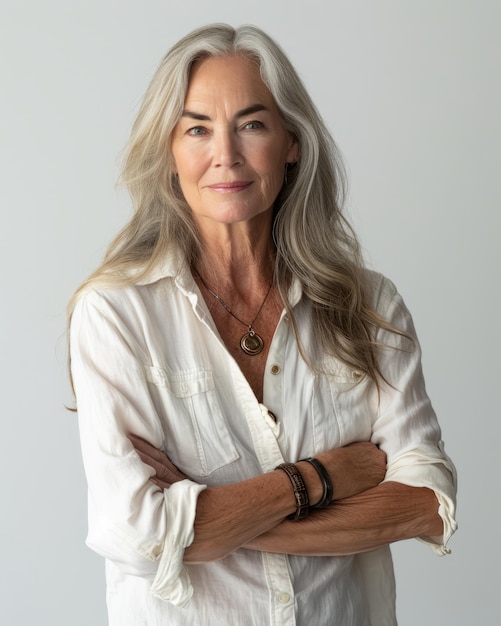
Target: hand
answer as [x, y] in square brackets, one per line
[354, 468]
[166, 473]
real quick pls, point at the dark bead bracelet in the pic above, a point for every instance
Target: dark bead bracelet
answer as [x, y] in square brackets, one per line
[300, 493]
[323, 474]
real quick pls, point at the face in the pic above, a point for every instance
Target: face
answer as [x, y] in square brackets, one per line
[230, 146]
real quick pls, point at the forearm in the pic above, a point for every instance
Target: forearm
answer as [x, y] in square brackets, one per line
[387, 513]
[228, 517]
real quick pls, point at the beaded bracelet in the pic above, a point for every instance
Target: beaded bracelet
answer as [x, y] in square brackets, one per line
[323, 474]
[300, 493]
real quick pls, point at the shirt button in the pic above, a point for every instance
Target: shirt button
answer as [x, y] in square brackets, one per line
[273, 416]
[275, 369]
[284, 598]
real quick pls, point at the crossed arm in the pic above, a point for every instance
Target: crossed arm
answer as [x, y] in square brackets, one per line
[364, 515]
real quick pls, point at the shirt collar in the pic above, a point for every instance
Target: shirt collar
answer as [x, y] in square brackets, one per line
[173, 265]
[170, 266]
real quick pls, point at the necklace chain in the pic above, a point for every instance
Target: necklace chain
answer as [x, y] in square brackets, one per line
[251, 343]
[227, 308]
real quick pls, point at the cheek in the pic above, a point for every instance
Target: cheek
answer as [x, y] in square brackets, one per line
[271, 162]
[275, 172]
[187, 176]
[277, 179]
[187, 162]
[189, 170]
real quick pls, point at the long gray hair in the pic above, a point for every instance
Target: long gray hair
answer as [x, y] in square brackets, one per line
[314, 242]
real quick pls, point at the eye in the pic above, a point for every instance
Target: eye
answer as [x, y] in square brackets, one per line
[197, 131]
[253, 125]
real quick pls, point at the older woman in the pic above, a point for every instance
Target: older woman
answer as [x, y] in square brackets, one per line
[254, 423]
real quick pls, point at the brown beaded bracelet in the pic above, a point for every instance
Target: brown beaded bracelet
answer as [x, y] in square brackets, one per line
[300, 492]
[323, 474]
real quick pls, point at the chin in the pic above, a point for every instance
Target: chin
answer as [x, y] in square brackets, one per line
[236, 215]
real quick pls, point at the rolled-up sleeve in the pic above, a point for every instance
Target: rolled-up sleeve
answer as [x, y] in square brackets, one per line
[406, 427]
[143, 529]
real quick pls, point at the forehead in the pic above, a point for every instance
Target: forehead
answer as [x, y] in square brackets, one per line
[230, 79]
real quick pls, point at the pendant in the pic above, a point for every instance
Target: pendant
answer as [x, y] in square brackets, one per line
[251, 343]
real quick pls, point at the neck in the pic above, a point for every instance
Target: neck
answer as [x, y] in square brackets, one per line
[239, 257]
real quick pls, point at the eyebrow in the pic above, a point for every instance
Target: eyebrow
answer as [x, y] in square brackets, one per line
[254, 108]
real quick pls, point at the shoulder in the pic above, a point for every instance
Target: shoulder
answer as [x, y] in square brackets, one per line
[115, 289]
[121, 308]
[385, 300]
[126, 300]
[100, 297]
[116, 292]
[379, 289]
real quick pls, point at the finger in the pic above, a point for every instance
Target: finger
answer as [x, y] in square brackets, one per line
[165, 470]
[150, 454]
[146, 448]
[160, 483]
[162, 471]
[148, 460]
[157, 459]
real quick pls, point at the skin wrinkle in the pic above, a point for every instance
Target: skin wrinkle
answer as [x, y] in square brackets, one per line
[362, 523]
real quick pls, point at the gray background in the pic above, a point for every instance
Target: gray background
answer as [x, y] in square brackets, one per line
[410, 91]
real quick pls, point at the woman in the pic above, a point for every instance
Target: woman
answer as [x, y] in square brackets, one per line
[230, 335]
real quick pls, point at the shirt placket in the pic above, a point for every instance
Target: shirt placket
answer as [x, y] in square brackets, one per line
[265, 427]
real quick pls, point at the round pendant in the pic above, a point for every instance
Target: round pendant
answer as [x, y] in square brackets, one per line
[251, 343]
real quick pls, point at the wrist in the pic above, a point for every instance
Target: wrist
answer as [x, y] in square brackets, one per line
[299, 489]
[312, 481]
[325, 479]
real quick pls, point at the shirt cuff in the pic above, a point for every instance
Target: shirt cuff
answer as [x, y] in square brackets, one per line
[437, 474]
[172, 582]
[446, 511]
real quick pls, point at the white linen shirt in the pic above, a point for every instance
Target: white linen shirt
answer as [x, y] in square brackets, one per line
[148, 360]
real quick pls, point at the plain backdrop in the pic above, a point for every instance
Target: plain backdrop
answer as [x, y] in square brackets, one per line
[411, 93]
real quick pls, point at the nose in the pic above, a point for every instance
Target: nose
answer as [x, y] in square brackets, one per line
[227, 151]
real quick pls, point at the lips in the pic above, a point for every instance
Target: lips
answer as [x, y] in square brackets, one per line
[231, 187]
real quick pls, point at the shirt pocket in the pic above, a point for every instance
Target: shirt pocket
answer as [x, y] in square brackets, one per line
[197, 438]
[343, 407]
